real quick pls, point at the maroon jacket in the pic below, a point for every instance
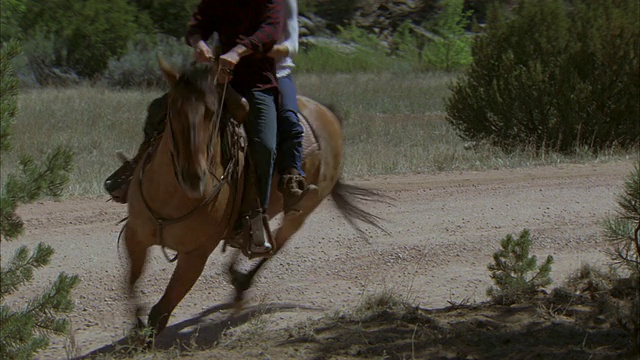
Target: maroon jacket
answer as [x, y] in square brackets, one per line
[256, 24]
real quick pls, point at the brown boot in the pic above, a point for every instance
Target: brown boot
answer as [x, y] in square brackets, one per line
[294, 189]
[117, 184]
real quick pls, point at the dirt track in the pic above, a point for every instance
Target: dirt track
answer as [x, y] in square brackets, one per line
[443, 229]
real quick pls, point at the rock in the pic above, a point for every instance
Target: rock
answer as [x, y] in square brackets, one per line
[380, 18]
[333, 43]
[312, 25]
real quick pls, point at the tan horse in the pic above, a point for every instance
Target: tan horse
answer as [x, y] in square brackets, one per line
[184, 198]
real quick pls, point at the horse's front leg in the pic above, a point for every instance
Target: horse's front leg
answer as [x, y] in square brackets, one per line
[188, 270]
[137, 253]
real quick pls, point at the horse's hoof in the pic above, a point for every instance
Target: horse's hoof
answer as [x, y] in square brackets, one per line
[238, 306]
[140, 325]
[261, 250]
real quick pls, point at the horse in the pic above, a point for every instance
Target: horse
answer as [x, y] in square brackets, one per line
[183, 196]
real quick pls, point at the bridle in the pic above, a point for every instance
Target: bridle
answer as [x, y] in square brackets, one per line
[162, 221]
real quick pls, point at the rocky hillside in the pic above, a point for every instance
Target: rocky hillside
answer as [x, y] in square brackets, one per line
[378, 17]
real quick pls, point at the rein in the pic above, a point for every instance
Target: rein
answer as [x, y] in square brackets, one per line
[161, 221]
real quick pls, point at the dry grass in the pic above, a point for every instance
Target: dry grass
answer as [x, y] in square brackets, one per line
[393, 124]
[93, 122]
[564, 324]
[384, 326]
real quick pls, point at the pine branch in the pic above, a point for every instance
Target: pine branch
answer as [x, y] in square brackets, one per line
[543, 273]
[33, 182]
[55, 300]
[17, 340]
[9, 89]
[21, 267]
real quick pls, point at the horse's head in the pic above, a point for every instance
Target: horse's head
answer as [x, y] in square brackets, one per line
[193, 105]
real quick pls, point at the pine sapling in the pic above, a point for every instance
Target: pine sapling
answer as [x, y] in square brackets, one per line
[515, 273]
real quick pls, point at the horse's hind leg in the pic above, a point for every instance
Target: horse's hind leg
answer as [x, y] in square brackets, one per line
[242, 281]
[290, 225]
[188, 270]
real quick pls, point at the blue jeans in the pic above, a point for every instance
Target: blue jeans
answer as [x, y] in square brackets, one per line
[262, 126]
[290, 130]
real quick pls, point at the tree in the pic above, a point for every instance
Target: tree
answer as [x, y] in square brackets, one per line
[25, 331]
[169, 17]
[11, 10]
[622, 230]
[452, 49]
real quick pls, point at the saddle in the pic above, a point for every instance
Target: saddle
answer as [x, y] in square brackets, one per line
[251, 226]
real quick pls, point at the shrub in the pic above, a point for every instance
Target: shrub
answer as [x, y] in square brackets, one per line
[356, 50]
[406, 45]
[515, 273]
[25, 331]
[355, 35]
[306, 7]
[139, 66]
[87, 33]
[38, 65]
[553, 77]
[336, 57]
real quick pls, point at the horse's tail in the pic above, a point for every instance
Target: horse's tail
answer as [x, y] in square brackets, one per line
[345, 194]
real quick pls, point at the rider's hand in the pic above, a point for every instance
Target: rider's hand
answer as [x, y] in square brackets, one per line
[203, 53]
[227, 62]
[278, 51]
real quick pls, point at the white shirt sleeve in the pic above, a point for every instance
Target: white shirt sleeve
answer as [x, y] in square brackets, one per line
[291, 27]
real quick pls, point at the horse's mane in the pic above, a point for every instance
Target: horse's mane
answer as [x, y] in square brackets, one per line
[196, 79]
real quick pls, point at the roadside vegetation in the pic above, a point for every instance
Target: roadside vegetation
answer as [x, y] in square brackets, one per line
[26, 326]
[463, 86]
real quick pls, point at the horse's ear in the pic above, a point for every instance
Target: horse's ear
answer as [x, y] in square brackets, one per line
[169, 73]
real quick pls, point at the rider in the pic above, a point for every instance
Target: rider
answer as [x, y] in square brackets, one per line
[244, 45]
[290, 130]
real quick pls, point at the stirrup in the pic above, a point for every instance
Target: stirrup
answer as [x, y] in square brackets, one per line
[258, 238]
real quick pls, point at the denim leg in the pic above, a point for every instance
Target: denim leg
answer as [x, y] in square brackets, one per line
[261, 127]
[290, 130]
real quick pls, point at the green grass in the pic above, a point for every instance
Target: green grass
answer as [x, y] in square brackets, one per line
[394, 123]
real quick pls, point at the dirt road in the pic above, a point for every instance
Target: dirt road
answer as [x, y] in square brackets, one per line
[443, 229]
